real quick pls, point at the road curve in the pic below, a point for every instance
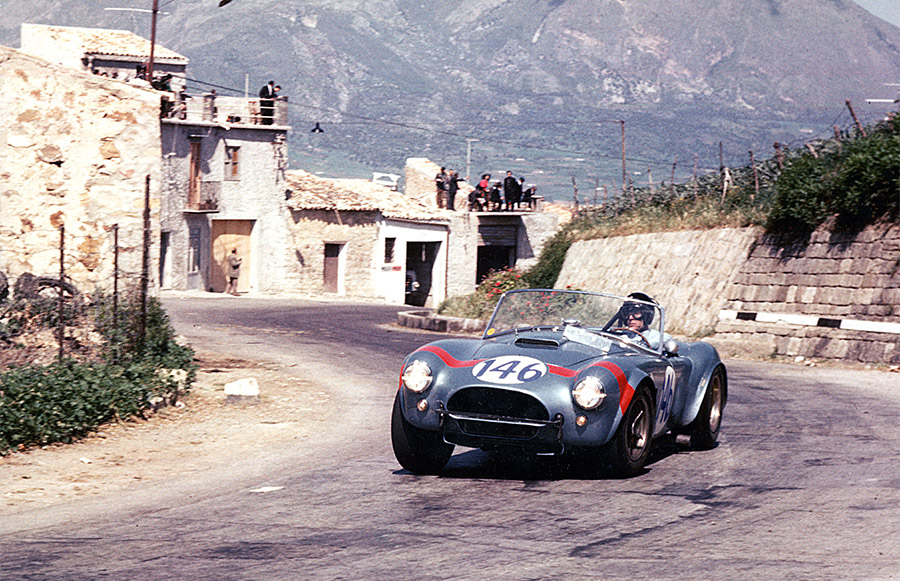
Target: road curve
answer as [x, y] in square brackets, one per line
[803, 484]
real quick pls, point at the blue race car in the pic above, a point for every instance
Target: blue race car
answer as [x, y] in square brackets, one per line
[559, 370]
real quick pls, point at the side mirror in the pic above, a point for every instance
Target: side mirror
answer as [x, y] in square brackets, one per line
[670, 347]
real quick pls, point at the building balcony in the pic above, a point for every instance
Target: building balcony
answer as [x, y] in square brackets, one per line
[212, 108]
[205, 200]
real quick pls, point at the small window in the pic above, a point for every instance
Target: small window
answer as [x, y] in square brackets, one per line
[194, 249]
[389, 244]
[232, 154]
[196, 174]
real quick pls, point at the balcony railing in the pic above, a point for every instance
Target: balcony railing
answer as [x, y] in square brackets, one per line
[207, 200]
[212, 108]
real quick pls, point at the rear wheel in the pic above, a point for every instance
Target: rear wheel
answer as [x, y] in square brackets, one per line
[630, 447]
[704, 430]
[417, 450]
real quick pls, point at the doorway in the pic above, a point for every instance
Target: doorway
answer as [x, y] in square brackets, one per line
[494, 258]
[420, 259]
[332, 270]
[228, 235]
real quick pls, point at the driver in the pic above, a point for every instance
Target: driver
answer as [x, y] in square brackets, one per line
[638, 317]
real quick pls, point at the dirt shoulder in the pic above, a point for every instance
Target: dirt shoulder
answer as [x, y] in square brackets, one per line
[200, 432]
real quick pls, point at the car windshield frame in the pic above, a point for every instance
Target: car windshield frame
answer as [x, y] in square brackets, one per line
[531, 310]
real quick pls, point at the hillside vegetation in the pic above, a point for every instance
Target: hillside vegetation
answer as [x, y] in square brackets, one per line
[845, 183]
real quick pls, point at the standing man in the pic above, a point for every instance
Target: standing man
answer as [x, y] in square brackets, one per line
[452, 188]
[267, 103]
[234, 272]
[510, 189]
[440, 185]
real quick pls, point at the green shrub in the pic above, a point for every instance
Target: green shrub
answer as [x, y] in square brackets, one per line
[546, 270]
[481, 303]
[61, 402]
[858, 183]
[70, 398]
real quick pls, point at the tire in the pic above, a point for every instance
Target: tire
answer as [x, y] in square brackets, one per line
[704, 430]
[630, 447]
[417, 450]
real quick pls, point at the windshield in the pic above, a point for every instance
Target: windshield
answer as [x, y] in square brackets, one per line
[541, 308]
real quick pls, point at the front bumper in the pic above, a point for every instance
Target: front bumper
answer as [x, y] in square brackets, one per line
[478, 430]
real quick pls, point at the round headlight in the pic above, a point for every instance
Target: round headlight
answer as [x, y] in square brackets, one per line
[417, 376]
[589, 393]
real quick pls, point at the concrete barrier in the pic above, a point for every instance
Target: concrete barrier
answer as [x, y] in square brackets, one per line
[428, 321]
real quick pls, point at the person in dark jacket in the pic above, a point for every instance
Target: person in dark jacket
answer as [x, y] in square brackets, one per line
[452, 188]
[267, 103]
[511, 191]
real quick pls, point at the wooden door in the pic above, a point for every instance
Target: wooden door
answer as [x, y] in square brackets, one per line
[228, 234]
[332, 267]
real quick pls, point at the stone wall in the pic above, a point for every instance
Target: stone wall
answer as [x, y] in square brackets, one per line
[357, 231]
[835, 296]
[75, 150]
[687, 272]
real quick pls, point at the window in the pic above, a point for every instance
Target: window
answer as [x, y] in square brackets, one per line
[389, 244]
[194, 249]
[231, 162]
[195, 175]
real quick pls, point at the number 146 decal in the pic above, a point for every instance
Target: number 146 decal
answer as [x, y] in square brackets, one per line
[509, 369]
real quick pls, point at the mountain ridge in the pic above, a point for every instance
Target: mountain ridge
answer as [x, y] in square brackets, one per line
[533, 80]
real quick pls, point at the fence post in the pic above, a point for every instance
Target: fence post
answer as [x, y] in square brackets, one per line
[145, 263]
[115, 297]
[755, 179]
[60, 307]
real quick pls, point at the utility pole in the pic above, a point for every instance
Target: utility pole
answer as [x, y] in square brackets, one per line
[469, 156]
[624, 171]
[755, 178]
[859, 126]
[154, 11]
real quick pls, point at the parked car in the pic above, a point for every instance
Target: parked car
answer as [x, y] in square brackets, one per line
[558, 371]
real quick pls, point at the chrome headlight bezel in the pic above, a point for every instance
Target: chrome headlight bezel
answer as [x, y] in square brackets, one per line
[417, 376]
[589, 393]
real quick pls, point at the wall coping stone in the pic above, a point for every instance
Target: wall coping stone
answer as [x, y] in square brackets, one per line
[429, 321]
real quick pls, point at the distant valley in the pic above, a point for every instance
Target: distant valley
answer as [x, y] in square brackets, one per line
[535, 86]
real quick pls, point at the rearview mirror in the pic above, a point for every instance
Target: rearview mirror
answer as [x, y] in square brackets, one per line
[670, 347]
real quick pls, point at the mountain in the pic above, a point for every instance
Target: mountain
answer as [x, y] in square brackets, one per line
[540, 84]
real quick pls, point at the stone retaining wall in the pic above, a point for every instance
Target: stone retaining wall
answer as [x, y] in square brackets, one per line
[687, 272]
[835, 296]
[807, 292]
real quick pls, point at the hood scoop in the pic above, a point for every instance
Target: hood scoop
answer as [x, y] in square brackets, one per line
[533, 341]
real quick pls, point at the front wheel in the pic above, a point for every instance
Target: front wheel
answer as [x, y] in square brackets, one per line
[630, 447]
[417, 450]
[704, 430]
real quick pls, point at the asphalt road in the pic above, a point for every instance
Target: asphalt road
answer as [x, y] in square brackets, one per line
[804, 484]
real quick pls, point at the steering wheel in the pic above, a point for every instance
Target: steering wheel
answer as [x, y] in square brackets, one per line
[629, 330]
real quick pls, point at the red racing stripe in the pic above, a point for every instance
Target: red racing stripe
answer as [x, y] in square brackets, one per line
[561, 371]
[626, 392]
[448, 359]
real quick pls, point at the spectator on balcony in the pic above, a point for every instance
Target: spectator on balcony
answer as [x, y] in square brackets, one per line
[267, 103]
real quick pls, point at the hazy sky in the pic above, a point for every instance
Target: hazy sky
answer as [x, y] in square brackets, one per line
[885, 9]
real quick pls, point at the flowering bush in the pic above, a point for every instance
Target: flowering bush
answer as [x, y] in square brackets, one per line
[481, 303]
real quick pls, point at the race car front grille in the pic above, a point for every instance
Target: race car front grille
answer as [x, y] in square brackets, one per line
[497, 402]
[497, 413]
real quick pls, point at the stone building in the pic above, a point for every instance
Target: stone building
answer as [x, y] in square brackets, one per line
[75, 151]
[481, 241]
[224, 188]
[222, 163]
[353, 237]
[113, 53]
